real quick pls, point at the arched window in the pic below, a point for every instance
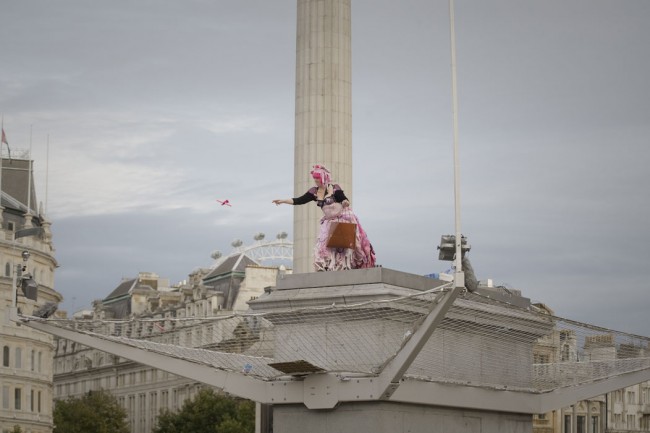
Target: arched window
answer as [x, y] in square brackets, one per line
[19, 358]
[5, 356]
[8, 270]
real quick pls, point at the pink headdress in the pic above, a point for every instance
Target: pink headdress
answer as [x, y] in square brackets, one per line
[320, 172]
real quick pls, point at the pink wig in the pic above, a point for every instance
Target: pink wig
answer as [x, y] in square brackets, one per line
[320, 172]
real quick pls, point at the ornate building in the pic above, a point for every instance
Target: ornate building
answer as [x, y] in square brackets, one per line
[210, 292]
[26, 262]
[622, 411]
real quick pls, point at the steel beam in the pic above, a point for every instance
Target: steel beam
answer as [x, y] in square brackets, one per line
[392, 373]
[326, 390]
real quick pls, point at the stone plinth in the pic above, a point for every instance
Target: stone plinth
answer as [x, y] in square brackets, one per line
[479, 343]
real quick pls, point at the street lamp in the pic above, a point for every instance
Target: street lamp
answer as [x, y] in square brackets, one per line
[449, 248]
[27, 283]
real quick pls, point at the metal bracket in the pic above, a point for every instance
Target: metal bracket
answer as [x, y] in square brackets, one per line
[393, 372]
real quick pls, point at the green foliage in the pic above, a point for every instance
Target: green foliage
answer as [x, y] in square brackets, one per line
[209, 412]
[97, 412]
[17, 429]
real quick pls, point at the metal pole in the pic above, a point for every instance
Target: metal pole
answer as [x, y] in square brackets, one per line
[14, 286]
[459, 276]
[47, 173]
[1, 143]
[29, 174]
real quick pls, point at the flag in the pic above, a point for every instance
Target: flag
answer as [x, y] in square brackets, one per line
[4, 140]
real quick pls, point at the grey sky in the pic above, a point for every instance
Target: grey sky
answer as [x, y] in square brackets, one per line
[156, 108]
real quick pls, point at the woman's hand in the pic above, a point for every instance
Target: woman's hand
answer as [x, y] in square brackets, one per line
[346, 203]
[280, 201]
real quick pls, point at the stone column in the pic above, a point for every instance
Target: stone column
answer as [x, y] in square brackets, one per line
[323, 132]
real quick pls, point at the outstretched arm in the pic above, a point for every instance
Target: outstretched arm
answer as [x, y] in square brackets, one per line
[283, 200]
[305, 198]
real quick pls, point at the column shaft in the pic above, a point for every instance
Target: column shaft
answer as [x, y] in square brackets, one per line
[323, 121]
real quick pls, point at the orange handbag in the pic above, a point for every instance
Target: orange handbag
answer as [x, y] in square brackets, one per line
[342, 235]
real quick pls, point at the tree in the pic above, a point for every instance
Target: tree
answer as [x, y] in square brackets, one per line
[209, 412]
[17, 429]
[96, 411]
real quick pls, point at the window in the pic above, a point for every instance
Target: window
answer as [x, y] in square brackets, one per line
[567, 424]
[539, 358]
[582, 427]
[38, 402]
[645, 422]
[132, 411]
[5, 356]
[631, 397]
[5, 397]
[153, 407]
[11, 226]
[31, 401]
[565, 352]
[142, 400]
[33, 360]
[594, 424]
[7, 270]
[40, 358]
[18, 395]
[19, 358]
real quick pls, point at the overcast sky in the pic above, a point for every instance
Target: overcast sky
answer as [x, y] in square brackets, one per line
[155, 109]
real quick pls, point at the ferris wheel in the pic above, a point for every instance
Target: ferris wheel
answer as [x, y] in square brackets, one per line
[278, 251]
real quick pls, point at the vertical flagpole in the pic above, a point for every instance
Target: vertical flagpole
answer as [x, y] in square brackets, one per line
[459, 276]
[29, 174]
[1, 163]
[47, 172]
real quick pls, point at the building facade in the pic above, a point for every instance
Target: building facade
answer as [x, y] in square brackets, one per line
[27, 262]
[622, 411]
[141, 390]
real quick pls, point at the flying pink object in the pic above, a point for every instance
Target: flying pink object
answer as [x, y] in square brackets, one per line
[225, 203]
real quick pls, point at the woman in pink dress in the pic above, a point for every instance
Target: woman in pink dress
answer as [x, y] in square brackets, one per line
[336, 208]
